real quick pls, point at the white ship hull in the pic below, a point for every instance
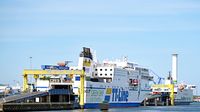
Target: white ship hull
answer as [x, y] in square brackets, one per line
[116, 97]
[184, 97]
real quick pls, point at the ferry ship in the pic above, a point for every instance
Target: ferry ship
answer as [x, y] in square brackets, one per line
[119, 83]
[183, 92]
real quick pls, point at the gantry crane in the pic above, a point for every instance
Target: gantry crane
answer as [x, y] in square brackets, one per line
[36, 74]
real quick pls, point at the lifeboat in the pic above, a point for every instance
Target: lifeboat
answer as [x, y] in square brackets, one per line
[135, 82]
[181, 87]
[61, 63]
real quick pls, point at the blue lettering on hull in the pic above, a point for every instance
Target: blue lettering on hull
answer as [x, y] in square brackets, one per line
[119, 95]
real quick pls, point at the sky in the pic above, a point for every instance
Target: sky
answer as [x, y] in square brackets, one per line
[146, 31]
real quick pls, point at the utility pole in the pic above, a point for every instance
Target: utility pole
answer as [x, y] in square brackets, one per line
[30, 62]
[31, 81]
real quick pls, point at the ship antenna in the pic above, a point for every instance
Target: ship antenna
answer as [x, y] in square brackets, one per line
[94, 56]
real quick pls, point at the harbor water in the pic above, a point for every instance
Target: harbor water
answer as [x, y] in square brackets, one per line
[194, 107]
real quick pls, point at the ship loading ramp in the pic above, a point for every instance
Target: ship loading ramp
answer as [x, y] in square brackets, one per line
[163, 94]
[22, 97]
[36, 101]
[9, 103]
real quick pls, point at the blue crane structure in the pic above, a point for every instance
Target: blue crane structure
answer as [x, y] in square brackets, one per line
[159, 79]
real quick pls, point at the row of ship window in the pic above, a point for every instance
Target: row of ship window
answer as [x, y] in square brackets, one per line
[102, 69]
[102, 74]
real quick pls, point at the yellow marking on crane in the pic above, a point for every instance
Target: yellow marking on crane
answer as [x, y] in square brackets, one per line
[172, 94]
[36, 74]
[170, 86]
[82, 80]
[25, 82]
[51, 72]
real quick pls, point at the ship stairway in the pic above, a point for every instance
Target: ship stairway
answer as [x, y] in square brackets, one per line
[22, 97]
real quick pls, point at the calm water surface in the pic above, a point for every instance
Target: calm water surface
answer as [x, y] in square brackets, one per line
[195, 107]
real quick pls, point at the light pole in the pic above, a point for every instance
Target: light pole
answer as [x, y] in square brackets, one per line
[31, 83]
[30, 62]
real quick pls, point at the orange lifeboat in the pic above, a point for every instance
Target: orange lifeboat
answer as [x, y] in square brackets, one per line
[61, 63]
[181, 87]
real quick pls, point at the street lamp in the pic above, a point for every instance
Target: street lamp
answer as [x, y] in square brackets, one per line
[30, 62]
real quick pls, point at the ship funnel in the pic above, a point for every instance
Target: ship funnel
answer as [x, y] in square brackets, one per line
[174, 68]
